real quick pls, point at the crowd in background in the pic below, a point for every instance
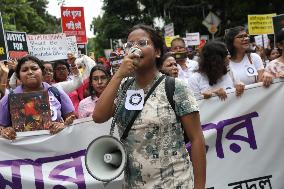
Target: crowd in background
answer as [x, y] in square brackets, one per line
[211, 69]
[75, 85]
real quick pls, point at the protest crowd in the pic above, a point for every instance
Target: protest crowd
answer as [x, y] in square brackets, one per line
[79, 87]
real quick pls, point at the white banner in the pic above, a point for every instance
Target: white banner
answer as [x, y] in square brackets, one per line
[52, 161]
[243, 137]
[48, 47]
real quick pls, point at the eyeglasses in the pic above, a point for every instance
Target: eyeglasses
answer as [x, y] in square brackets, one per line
[176, 48]
[139, 43]
[243, 37]
[100, 78]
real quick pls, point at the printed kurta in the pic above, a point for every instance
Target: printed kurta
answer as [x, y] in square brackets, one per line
[157, 156]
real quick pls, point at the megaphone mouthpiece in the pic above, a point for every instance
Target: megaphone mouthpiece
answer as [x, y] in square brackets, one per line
[135, 51]
[113, 158]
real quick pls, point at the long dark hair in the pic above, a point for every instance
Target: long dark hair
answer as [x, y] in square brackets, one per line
[212, 61]
[156, 38]
[230, 37]
[95, 68]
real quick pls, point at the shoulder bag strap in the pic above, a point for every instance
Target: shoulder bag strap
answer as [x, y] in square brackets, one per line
[126, 131]
[249, 57]
[170, 89]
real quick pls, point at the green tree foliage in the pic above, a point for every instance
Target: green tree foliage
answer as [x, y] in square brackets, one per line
[187, 16]
[28, 16]
[118, 17]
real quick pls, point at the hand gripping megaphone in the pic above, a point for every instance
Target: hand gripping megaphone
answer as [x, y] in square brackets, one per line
[105, 158]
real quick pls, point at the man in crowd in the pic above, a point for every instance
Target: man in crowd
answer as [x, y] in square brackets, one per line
[185, 65]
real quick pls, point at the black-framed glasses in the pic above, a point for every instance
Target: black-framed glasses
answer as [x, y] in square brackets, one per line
[139, 43]
[243, 36]
[100, 78]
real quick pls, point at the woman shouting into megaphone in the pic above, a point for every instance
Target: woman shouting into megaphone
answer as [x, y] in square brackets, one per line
[157, 155]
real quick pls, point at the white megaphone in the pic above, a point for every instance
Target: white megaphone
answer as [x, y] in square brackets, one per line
[105, 158]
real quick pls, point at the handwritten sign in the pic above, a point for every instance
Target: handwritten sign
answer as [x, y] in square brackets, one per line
[73, 23]
[260, 24]
[168, 40]
[261, 40]
[48, 47]
[192, 39]
[169, 29]
[72, 45]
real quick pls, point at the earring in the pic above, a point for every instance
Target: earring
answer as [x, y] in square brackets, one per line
[158, 56]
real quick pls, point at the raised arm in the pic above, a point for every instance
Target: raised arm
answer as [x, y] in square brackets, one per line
[71, 85]
[105, 105]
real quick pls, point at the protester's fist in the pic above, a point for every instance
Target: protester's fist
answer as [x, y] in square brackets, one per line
[4, 69]
[71, 61]
[74, 69]
[12, 64]
[128, 66]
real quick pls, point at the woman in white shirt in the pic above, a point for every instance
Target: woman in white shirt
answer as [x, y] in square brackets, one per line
[247, 67]
[213, 76]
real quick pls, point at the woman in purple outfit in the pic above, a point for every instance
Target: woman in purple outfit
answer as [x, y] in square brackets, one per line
[30, 72]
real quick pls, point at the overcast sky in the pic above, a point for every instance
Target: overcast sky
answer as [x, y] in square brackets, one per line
[92, 8]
